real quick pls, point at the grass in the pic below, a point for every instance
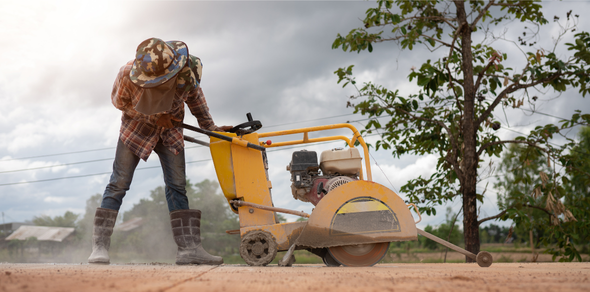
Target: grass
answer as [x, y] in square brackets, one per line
[504, 259]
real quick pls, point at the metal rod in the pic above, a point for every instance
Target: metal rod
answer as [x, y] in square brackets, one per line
[223, 137]
[356, 136]
[446, 243]
[268, 208]
[191, 139]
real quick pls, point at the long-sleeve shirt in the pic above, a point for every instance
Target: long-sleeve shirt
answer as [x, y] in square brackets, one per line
[139, 132]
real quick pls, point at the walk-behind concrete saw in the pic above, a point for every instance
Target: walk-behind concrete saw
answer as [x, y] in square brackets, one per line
[354, 219]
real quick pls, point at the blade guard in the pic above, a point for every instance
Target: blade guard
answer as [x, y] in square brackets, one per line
[358, 212]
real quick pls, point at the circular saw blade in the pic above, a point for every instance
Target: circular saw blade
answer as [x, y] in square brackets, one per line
[359, 255]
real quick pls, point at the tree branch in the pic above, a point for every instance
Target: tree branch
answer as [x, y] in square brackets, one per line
[512, 206]
[485, 146]
[512, 88]
[481, 14]
[451, 137]
[482, 73]
[448, 21]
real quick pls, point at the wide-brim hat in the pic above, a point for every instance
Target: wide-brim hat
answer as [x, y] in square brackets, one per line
[157, 61]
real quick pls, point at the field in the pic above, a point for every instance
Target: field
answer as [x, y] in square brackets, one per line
[301, 277]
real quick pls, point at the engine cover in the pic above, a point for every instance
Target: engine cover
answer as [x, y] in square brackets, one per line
[341, 162]
[307, 183]
[322, 186]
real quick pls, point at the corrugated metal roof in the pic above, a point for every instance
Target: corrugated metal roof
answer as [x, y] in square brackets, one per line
[41, 233]
[130, 224]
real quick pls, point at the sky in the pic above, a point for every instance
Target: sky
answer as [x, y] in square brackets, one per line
[59, 59]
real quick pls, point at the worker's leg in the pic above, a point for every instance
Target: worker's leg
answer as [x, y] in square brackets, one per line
[174, 176]
[186, 224]
[106, 216]
[123, 169]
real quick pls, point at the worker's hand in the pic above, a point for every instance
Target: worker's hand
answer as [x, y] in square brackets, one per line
[225, 128]
[165, 121]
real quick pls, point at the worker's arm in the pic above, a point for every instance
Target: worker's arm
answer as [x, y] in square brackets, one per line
[198, 106]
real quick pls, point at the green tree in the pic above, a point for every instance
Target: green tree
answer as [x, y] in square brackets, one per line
[535, 202]
[495, 234]
[448, 231]
[577, 201]
[524, 185]
[67, 220]
[86, 223]
[452, 115]
[154, 241]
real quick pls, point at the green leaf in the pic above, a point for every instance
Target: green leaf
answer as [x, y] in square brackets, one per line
[431, 42]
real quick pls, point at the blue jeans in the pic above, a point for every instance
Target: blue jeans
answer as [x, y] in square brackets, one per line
[124, 166]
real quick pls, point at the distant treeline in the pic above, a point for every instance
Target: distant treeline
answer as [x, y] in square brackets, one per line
[152, 241]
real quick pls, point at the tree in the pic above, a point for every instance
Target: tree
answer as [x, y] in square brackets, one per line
[577, 200]
[448, 231]
[154, 241]
[67, 220]
[521, 187]
[452, 114]
[524, 188]
[86, 224]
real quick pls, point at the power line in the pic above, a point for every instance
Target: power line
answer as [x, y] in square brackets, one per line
[97, 160]
[141, 168]
[56, 154]
[57, 165]
[73, 163]
[100, 149]
[312, 120]
[319, 119]
[87, 175]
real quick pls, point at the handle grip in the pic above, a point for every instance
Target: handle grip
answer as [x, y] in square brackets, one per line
[418, 212]
[223, 137]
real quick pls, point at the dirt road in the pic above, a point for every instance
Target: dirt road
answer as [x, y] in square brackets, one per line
[386, 277]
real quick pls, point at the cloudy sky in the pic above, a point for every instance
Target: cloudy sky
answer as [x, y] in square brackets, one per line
[58, 61]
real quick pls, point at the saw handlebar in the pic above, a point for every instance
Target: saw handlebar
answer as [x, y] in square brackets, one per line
[234, 140]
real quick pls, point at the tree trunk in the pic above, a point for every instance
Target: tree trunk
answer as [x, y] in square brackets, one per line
[470, 160]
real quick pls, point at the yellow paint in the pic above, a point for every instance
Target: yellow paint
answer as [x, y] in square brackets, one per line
[321, 218]
[242, 176]
[312, 140]
[365, 206]
[222, 160]
[240, 142]
[251, 183]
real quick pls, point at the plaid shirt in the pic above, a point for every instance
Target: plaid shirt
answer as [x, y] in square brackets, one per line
[139, 132]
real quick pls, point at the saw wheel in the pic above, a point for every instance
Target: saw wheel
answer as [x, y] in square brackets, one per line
[359, 255]
[329, 260]
[258, 248]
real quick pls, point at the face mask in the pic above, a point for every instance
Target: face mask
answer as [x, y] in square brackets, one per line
[158, 99]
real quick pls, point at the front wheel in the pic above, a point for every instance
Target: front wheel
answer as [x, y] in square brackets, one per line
[258, 248]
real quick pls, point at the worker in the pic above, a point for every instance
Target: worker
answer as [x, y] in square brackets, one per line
[151, 91]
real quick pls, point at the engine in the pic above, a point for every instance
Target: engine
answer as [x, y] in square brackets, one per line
[312, 181]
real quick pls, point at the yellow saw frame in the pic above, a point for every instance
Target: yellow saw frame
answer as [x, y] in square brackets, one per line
[358, 213]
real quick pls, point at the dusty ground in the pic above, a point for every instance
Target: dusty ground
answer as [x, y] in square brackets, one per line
[384, 277]
[504, 257]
